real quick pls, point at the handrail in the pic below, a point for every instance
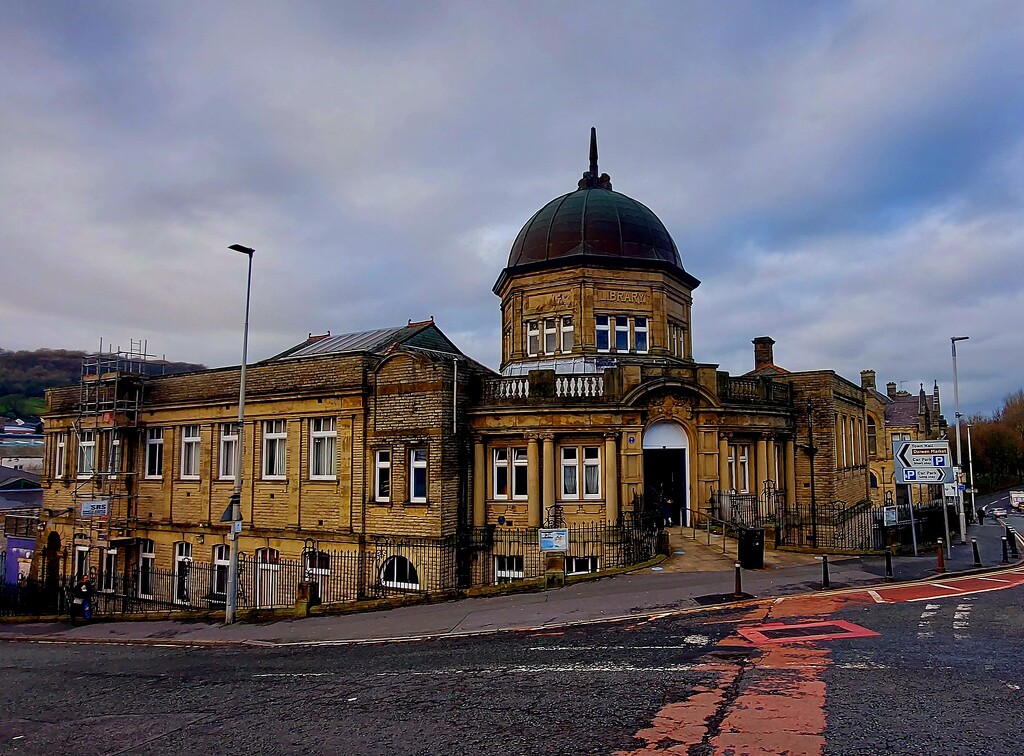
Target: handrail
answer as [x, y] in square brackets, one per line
[709, 519]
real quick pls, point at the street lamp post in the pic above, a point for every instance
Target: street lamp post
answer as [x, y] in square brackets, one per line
[959, 454]
[231, 600]
[970, 468]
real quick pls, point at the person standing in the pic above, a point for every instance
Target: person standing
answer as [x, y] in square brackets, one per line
[81, 600]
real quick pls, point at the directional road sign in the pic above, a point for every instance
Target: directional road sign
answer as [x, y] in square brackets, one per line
[926, 462]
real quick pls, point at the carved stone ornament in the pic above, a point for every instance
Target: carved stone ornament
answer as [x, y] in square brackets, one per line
[669, 408]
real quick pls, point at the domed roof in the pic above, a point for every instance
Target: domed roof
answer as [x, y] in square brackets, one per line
[594, 225]
[593, 222]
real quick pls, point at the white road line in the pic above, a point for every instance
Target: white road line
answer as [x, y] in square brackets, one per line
[877, 597]
[930, 610]
[994, 580]
[537, 669]
[962, 621]
[688, 642]
[946, 587]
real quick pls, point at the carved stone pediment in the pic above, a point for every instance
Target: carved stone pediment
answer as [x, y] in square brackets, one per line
[669, 407]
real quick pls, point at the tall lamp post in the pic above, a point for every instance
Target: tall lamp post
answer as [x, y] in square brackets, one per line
[231, 600]
[970, 469]
[959, 454]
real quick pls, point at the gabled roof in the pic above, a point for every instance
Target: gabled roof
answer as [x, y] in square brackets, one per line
[424, 334]
[767, 370]
[905, 408]
[14, 479]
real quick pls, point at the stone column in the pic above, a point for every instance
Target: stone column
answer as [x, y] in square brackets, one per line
[533, 513]
[479, 483]
[611, 478]
[790, 472]
[762, 463]
[723, 463]
[548, 472]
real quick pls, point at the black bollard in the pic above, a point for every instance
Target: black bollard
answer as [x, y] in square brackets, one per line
[1013, 544]
[825, 582]
[977, 554]
[940, 559]
[1006, 553]
[888, 565]
[738, 592]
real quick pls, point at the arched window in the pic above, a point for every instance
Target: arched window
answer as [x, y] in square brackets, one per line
[874, 480]
[872, 441]
[399, 572]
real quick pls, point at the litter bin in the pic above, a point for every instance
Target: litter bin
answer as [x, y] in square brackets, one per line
[751, 548]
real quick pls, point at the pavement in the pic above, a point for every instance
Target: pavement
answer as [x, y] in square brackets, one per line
[699, 571]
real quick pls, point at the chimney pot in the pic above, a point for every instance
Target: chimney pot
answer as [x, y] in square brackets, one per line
[763, 353]
[867, 379]
[890, 389]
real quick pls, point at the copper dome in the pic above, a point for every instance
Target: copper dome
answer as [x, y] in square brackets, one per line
[594, 226]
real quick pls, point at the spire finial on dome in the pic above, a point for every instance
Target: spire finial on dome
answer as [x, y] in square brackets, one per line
[591, 179]
[593, 152]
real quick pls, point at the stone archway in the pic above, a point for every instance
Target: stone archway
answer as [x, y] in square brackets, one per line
[666, 449]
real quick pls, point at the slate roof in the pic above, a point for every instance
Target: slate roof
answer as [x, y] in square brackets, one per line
[14, 479]
[425, 335]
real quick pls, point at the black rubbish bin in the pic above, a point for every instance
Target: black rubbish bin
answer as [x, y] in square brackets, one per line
[751, 548]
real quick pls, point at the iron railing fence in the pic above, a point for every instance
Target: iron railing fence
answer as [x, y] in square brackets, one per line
[385, 566]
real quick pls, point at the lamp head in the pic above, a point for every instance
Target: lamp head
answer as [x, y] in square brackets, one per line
[243, 250]
[954, 339]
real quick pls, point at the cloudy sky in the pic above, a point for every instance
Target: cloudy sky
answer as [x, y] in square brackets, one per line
[847, 178]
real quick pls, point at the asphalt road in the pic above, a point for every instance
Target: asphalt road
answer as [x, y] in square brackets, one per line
[943, 676]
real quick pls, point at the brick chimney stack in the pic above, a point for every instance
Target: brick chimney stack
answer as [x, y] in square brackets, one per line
[763, 353]
[890, 389]
[867, 380]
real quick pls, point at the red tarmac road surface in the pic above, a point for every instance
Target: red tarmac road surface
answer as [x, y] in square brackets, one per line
[773, 701]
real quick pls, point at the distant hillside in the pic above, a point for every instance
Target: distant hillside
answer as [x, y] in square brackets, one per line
[25, 375]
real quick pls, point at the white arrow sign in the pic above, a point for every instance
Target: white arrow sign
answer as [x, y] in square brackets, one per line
[924, 454]
[923, 475]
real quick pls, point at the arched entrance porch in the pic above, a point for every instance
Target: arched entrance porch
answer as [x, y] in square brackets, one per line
[666, 450]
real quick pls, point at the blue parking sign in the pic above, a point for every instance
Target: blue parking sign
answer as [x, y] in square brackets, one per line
[939, 460]
[909, 475]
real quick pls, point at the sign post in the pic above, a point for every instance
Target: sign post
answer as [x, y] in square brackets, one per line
[925, 463]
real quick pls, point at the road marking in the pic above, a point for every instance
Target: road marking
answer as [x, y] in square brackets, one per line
[877, 597]
[538, 669]
[294, 674]
[688, 642]
[947, 587]
[962, 621]
[995, 580]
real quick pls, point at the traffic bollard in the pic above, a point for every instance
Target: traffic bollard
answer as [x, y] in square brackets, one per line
[738, 592]
[1006, 553]
[1013, 544]
[888, 565]
[977, 554]
[825, 582]
[940, 566]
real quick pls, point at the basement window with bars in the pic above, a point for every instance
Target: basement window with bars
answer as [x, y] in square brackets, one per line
[575, 565]
[508, 569]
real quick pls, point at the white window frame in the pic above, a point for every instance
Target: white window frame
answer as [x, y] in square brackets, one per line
[739, 467]
[86, 466]
[392, 581]
[549, 335]
[268, 568]
[108, 582]
[578, 565]
[81, 562]
[416, 465]
[582, 456]
[60, 455]
[323, 455]
[114, 455]
[513, 462]
[532, 337]
[154, 453]
[221, 555]
[602, 325]
[508, 568]
[182, 582]
[275, 447]
[382, 472]
[499, 468]
[147, 567]
[641, 330]
[228, 451]
[566, 334]
[622, 327]
[191, 436]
